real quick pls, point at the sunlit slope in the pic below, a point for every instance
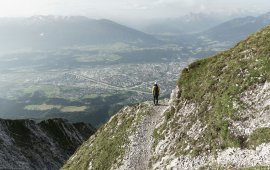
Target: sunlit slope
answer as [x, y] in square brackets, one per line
[221, 102]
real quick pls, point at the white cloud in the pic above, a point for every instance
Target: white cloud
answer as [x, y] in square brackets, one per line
[126, 8]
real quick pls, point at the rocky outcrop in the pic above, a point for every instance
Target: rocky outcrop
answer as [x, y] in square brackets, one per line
[166, 157]
[26, 144]
[220, 111]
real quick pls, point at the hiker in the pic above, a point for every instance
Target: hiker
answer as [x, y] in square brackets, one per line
[155, 92]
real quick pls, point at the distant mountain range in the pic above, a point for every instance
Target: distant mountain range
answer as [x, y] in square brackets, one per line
[237, 29]
[46, 145]
[53, 31]
[224, 34]
[191, 23]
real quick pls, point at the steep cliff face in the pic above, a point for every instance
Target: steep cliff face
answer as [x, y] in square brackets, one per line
[221, 111]
[220, 115]
[217, 117]
[46, 145]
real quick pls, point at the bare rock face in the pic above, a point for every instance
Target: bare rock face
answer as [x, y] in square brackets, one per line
[258, 116]
[173, 96]
[26, 144]
[221, 117]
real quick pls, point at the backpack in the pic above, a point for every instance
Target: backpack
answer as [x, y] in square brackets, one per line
[156, 90]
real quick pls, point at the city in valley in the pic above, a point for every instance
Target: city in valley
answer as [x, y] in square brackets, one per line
[87, 83]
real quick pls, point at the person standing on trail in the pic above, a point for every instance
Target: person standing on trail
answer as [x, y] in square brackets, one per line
[155, 92]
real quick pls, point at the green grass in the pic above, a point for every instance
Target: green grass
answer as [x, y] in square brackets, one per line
[231, 167]
[259, 136]
[93, 96]
[47, 90]
[73, 109]
[257, 168]
[42, 107]
[169, 114]
[110, 142]
[218, 81]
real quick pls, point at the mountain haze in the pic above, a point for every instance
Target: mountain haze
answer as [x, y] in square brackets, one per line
[191, 23]
[217, 117]
[53, 31]
[237, 29]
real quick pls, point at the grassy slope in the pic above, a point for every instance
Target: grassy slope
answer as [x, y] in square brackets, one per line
[108, 146]
[218, 81]
[214, 84]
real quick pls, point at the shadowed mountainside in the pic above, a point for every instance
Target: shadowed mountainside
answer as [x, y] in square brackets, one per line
[46, 145]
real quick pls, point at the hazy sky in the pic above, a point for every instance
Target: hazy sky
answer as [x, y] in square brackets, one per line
[127, 8]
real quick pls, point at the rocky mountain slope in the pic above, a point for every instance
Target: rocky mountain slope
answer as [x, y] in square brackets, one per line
[217, 117]
[46, 145]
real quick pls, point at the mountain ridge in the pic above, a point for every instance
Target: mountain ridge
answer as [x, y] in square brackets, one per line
[57, 31]
[190, 23]
[237, 29]
[26, 144]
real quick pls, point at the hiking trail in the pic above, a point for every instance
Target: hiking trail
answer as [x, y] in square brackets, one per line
[139, 151]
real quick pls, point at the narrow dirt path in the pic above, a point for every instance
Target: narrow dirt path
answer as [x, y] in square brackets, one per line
[139, 153]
